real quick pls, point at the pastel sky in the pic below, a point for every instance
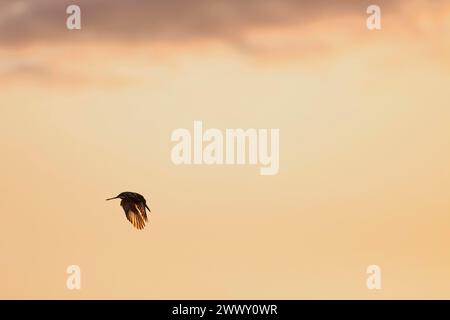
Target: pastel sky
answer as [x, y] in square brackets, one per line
[364, 123]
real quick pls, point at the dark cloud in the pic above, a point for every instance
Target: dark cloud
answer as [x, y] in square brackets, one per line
[27, 21]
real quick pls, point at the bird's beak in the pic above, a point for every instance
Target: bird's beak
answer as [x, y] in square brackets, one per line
[112, 198]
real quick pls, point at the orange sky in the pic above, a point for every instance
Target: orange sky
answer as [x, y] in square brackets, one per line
[364, 134]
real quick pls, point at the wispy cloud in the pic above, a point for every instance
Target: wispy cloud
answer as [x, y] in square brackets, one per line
[25, 21]
[262, 29]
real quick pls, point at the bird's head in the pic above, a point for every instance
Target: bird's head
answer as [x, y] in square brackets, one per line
[120, 196]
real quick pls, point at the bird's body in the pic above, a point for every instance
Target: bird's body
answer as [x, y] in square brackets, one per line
[134, 205]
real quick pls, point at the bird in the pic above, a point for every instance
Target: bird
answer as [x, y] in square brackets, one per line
[135, 207]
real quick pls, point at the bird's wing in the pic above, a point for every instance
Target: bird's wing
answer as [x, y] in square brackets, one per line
[141, 208]
[133, 215]
[135, 219]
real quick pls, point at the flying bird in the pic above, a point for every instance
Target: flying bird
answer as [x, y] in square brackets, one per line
[135, 207]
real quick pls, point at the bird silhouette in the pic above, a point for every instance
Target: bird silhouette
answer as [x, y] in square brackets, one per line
[134, 206]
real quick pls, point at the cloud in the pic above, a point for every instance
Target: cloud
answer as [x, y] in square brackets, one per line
[268, 30]
[27, 21]
[25, 68]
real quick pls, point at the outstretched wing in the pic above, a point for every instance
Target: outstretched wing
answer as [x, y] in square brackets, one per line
[141, 208]
[133, 214]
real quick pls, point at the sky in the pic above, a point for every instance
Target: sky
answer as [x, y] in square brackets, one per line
[364, 133]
